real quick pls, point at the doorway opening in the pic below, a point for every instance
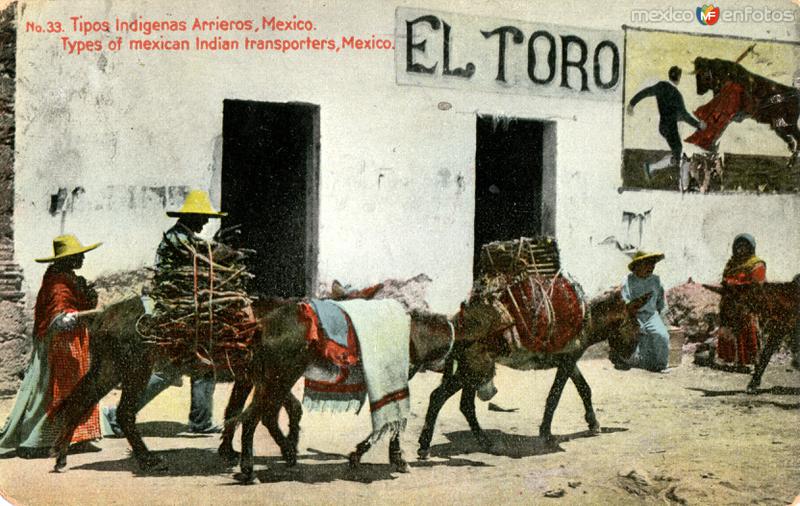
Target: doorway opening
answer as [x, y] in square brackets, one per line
[270, 170]
[514, 180]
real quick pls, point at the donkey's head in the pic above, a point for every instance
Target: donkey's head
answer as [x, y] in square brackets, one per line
[478, 320]
[611, 318]
[735, 304]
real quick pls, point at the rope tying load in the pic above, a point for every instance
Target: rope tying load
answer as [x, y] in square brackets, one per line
[522, 279]
[202, 316]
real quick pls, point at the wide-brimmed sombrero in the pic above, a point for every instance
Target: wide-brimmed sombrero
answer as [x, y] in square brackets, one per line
[65, 246]
[197, 202]
[641, 256]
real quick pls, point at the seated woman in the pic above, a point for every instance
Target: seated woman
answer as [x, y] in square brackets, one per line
[652, 352]
[60, 357]
[739, 346]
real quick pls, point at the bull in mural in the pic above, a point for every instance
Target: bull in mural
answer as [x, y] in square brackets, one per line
[740, 94]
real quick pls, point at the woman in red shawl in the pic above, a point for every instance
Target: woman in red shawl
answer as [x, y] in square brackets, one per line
[60, 357]
[744, 267]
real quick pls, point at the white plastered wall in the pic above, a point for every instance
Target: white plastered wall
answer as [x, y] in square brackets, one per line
[396, 173]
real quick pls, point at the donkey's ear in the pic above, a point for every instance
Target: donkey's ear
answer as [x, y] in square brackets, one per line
[715, 288]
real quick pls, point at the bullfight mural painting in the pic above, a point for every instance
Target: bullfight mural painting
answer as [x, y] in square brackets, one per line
[710, 114]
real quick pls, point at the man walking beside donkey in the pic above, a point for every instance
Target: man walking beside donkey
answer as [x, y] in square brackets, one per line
[173, 252]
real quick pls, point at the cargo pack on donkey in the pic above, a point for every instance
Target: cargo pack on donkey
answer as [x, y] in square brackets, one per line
[547, 324]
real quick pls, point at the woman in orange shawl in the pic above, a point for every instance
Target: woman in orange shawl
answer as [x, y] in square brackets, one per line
[60, 356]
[744, 267]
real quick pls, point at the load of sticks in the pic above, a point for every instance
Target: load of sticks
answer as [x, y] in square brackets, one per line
[202, 314]
[505, 262]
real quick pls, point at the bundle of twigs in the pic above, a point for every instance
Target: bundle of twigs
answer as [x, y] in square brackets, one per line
[503, 263]
[518, 278]
[202, 314]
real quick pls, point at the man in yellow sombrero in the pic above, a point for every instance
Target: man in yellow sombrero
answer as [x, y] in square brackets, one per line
[172, 253]
[60, 355]
[652, 352]
[192, 217]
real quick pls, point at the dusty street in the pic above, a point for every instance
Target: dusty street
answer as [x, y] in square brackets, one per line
[689, 436]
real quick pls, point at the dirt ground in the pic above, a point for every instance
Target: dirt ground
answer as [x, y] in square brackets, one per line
[690, 436]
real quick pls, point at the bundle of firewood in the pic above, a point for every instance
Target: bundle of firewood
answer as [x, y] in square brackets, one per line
[202, 311]
[503, 263]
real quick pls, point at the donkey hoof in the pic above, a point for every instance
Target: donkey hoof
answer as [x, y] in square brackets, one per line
[245, 478]
[548, 437]
[594, 427]
[400, 465]
[290, 457]
[354, 459]
[423, 453]
[61, 463]
[752, 389]
[227, 453]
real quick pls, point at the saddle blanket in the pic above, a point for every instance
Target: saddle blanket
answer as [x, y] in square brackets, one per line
[380, 332]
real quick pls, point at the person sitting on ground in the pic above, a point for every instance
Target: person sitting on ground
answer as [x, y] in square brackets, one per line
[652, 352]
[60, 357]
[173, 252]
[740, 346]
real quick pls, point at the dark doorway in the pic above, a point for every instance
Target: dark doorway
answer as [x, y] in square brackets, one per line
[270, 159]
[508, 180]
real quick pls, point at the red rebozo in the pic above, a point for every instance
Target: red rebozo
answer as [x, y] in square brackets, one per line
[554, 314]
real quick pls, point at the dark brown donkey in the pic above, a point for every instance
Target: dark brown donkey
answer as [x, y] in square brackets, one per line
[470, 367]
[777, 306]
[120, 357]
[282, 355]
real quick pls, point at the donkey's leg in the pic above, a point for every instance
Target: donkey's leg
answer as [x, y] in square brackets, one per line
[396, 455]
[99, 380]
[468, 410]
[586, 396]
[134, 382]
[272, 408]
[562, 374]
[450, 385]
[241, 389]
[295, 411]
[250, 419]
[771, 347]
[354, 459]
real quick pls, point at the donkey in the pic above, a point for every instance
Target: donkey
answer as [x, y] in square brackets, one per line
[119, 356]
[777, 306]
[282, 355]
[471, 366]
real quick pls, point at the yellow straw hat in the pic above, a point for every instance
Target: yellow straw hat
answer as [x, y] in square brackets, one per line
[67, 245]
[197, 202]
[641, 256]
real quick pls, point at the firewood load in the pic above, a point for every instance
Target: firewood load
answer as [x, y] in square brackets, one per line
[522, 279]
[202, 315]
[503, 263]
